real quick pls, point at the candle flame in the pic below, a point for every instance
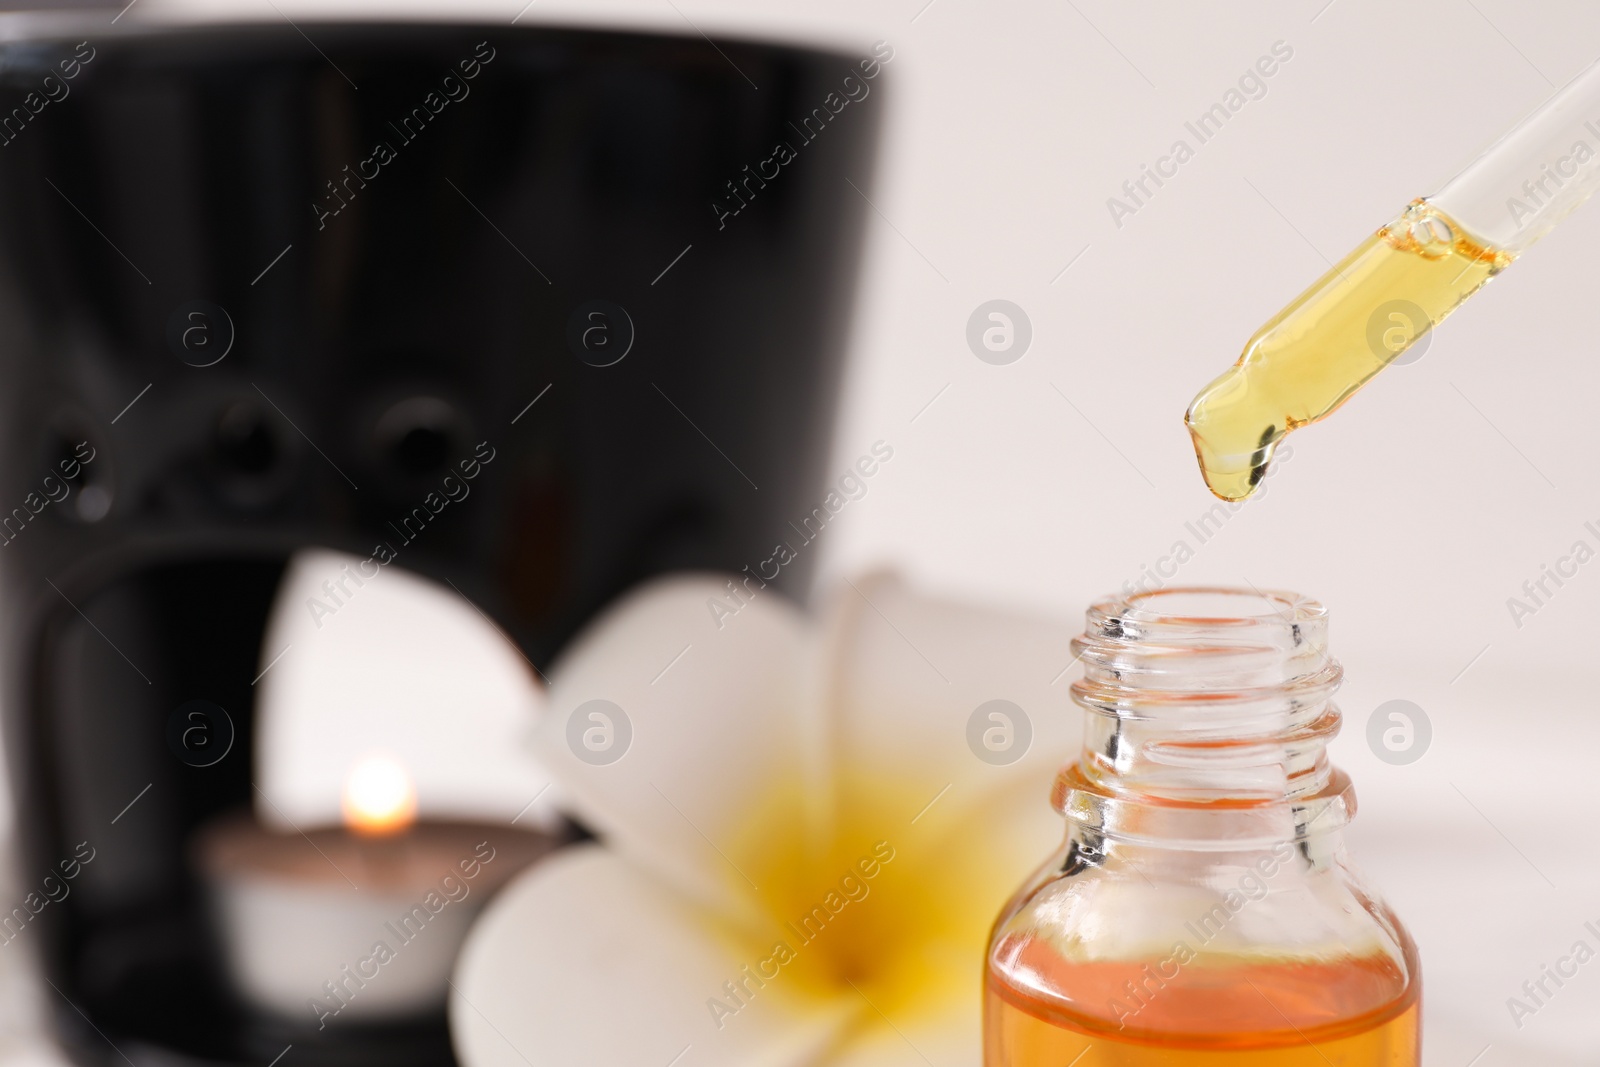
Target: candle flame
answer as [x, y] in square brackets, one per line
[379, 798]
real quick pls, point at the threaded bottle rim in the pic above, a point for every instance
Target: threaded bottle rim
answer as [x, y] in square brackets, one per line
[1209, 713]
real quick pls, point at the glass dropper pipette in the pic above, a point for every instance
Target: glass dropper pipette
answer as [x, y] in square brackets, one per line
[1395, 286]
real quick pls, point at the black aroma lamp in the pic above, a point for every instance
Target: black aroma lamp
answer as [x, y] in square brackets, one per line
[263, 288]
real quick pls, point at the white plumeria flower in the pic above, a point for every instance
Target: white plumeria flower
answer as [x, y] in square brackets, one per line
[802, 854]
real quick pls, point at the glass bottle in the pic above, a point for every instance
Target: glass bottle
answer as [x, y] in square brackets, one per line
[1202, 910]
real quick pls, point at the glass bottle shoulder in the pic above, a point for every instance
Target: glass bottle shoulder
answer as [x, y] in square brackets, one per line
[1099, 935]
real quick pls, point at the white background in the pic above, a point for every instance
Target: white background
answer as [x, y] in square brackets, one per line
[1414, 513]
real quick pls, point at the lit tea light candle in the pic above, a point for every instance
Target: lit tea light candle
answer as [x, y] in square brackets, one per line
[361, 922]
[378, 799]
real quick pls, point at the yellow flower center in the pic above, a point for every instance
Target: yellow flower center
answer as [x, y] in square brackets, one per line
[881, 894]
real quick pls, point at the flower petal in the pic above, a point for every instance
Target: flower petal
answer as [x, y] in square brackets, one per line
[586, 960]
[675, 725]
[928, 1042]
[946, 700]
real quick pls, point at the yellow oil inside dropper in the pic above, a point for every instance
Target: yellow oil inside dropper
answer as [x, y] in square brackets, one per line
[1396, 286]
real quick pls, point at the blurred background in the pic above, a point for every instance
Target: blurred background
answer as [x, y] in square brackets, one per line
[1416, 513]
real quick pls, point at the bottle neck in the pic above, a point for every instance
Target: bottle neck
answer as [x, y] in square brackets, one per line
[1208, 716]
